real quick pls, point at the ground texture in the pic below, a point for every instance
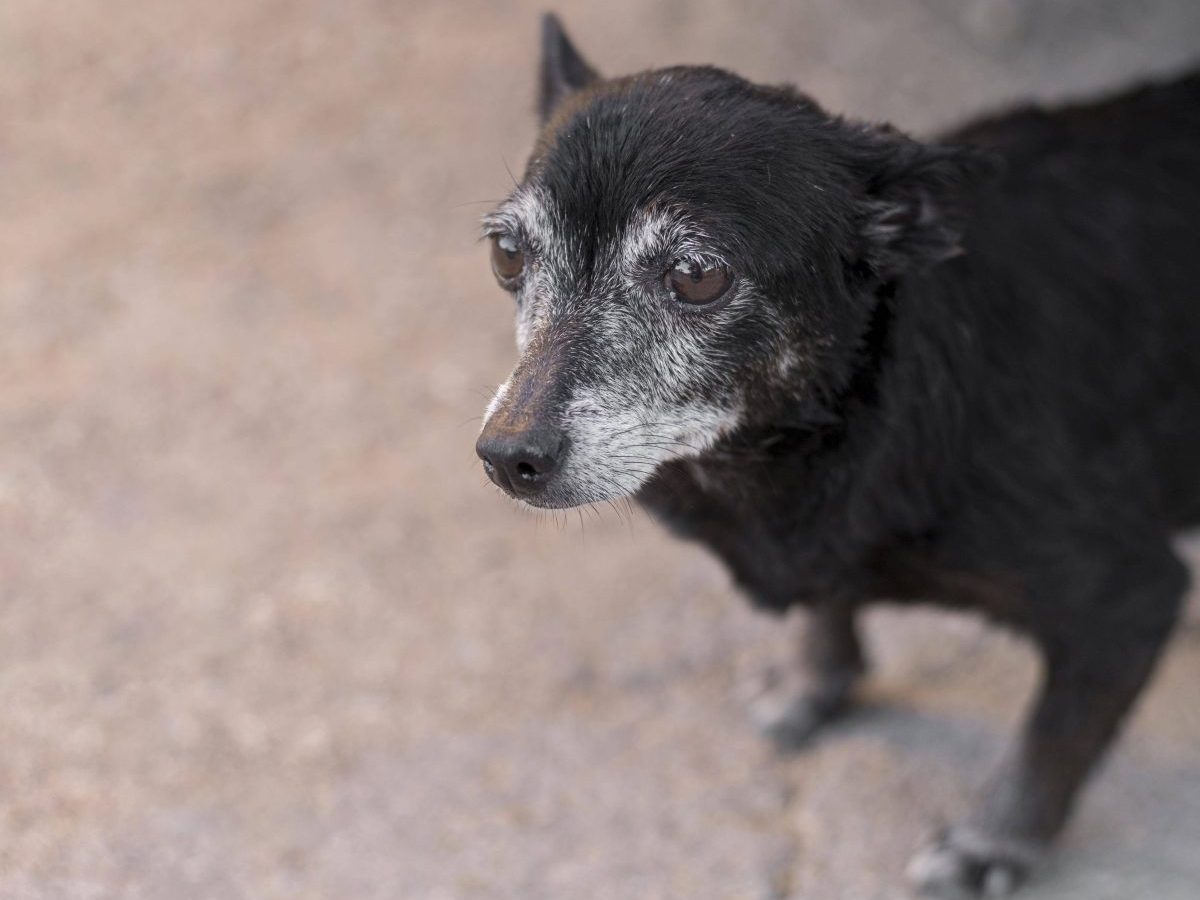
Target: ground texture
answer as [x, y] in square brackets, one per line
[265, 632]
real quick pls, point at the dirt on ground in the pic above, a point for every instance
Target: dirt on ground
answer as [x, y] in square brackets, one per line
[265, 629]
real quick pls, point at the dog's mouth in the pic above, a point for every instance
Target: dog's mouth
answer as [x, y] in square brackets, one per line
[592, 449]
[559, 496]
[556, 480]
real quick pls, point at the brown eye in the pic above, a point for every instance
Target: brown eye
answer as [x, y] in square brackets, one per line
[508, 260]
[692, 283]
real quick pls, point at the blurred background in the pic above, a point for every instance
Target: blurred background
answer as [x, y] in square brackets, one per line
[265, 629]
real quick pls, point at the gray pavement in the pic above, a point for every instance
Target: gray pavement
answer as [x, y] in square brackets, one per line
[265, 632]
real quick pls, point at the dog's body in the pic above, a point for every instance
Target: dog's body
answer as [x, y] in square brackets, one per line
[1050, 372]
[965, 373]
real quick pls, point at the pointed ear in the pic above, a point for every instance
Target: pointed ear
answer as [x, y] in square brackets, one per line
[914, 207]
[563, 70]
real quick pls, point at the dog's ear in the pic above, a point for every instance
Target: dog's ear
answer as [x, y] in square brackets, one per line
[563, 70]
[912, 212]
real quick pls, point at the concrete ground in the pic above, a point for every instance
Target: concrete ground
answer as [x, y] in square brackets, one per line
[265, 632]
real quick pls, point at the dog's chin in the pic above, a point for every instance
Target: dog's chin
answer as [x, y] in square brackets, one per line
[570, 493]
[565, 498]
[550, 500]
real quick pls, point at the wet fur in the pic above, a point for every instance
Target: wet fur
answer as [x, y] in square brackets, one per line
[964, 372]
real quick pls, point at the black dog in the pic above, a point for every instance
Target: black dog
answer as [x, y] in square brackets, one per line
[858, 366]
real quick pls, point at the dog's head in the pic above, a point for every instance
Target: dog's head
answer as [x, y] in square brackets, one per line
[690, 255]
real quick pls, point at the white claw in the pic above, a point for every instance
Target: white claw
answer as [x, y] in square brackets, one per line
[1000, 881]
[935, 870]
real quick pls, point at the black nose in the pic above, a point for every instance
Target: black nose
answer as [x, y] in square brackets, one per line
[521, 462]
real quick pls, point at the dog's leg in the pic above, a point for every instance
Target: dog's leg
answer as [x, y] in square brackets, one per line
[817, 686]
[1097, 660]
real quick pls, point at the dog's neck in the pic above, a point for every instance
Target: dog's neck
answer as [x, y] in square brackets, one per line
[834, 452]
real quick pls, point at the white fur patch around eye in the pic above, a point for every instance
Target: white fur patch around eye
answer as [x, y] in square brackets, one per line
[654, 233]
[528, 213]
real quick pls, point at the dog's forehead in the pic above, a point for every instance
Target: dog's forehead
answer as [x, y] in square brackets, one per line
[652, 151]
[679, 160]
[637, 145]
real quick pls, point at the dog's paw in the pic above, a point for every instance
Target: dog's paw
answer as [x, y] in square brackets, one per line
[791, 717]
[963, 864]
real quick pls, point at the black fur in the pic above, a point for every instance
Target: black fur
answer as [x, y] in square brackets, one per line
[999, 406]
[562, 71]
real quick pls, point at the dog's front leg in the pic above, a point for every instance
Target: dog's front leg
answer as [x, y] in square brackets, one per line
[817, 685]
[1096, 663]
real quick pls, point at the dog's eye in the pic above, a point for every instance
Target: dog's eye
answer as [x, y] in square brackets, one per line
[697, 285]
[508, 260]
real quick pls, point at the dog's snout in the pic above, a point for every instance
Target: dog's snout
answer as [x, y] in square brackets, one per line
[521, 462]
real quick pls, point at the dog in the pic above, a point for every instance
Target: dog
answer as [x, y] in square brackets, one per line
[860, 366]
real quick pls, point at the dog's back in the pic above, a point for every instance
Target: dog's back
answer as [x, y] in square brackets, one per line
[1081, 261]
